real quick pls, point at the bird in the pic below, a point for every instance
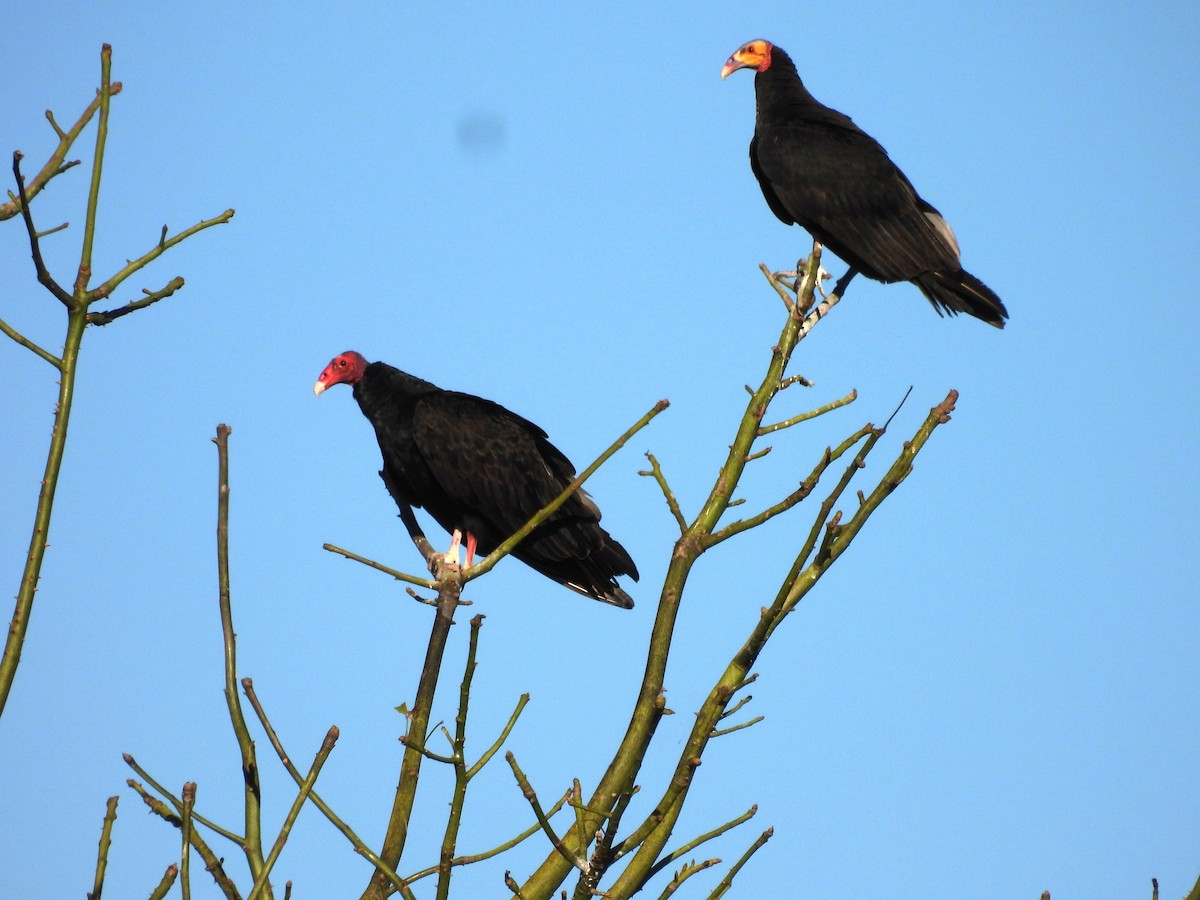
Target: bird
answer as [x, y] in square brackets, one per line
[819, 170]
[482, 472]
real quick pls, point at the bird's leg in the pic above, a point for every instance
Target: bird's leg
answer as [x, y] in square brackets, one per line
[471, 544]
[455, 543]
[844, 282]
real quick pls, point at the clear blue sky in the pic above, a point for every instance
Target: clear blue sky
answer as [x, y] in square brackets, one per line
[994, 692]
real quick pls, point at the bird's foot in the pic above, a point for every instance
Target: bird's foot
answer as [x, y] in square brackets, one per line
[451, 555]
[823, 274]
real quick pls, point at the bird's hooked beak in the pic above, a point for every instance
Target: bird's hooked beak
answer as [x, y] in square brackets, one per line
[323, 381]
[754, 55]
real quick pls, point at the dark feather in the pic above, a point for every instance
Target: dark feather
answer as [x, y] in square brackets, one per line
[478, 468]
[819, 170]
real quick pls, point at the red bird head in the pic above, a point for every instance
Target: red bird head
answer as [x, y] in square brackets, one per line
[754, 55]
[345, 368]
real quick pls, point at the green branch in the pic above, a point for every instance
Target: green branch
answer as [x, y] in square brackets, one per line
[495, 851]
[359, 846]
[618, 779]
[30, 345]
[168, 881]
[261, 886]
[461, 775]
[163, 245]
[76, 303]
[252, 793]
[56, 164]
[379, 567]
[185, 827]
[656, 473]
[543, 820]
[704, 838]
[449, 587]
[211, 862]
[110, 816]
[727, 881]
[178, 804]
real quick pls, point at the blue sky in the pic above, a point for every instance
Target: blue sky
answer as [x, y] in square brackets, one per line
[992, 694]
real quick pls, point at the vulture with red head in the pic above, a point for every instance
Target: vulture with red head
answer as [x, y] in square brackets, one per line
[482, 472]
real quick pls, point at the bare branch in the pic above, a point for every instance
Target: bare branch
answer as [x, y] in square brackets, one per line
[55, 165]
[684, 874]
[185, 827]
[252, 793]
[168, 881]
[531, 795]
[30, 345]
[211, 863]
[359, 846]
[495, 851]
[178, 803]
[105, 289]
[399, 576]
[811, 414]
[727, 881]
[449, 587]
[717, 732]
[103, 318]
[672, 504]
[43, 274]
[110, 816]
[260, 882]
[704, 838]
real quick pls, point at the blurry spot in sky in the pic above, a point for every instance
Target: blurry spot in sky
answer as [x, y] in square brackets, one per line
[481, 133]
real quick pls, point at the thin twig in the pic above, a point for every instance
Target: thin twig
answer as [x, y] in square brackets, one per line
[461, 775]
[672, 504]
[727, 881]
[359, 846]
[84, 273]
[495, 851]
[104, 318]
[30, 345]
[252, 796]
[211, 863]
[717, 732]
[499, 742]
[531, 795]
[105, 289]
[56, 165]
[399, 576]
[185, 827]
[696, 842]
[235, 839]
[168, 881]
[686, 872]
[811, 414]
[110, 816]
[260, 882]
[43, 274]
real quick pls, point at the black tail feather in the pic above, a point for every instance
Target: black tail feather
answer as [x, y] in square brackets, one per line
[962, 292]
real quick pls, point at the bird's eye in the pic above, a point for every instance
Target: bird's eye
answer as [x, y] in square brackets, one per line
[342, 363]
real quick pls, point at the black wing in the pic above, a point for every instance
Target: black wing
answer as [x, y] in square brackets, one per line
[839, 183]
